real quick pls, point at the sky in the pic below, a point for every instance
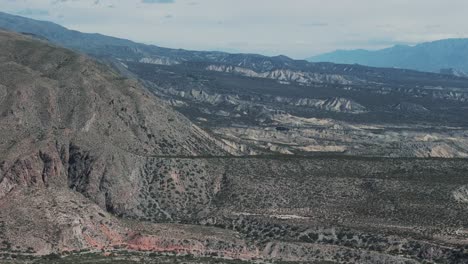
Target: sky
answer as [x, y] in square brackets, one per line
[296, 28]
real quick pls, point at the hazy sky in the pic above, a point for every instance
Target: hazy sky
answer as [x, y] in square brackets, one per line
[297, 28]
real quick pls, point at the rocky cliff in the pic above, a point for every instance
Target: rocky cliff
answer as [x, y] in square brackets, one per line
[69, 121]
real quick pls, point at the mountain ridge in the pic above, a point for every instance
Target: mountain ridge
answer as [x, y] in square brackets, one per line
[428, 56]
[115, 49]
[100, 45]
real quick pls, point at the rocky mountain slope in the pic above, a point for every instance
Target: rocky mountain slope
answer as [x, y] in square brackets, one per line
[69, 122]
[430, 56]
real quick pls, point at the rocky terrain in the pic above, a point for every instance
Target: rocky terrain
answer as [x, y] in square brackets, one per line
[454, 72]
[260, 114]
[70, 129]
[269, 159]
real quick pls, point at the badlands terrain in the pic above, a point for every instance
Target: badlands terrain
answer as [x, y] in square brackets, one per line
[136, 153]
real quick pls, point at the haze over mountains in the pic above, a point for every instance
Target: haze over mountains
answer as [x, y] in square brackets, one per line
[431, 56]
[139, 154]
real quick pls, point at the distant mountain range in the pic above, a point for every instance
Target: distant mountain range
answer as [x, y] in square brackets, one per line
[117, 51]
[430, 56]
[102, 46]
[445, 56]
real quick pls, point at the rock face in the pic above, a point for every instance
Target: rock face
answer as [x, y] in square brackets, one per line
[56, 220]
[454, 72]
[287, 75]
[67, 120]
[342, 105]
[78, 141]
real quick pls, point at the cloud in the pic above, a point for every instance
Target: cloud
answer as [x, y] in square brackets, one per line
[431, 27]
[62, 1]
[315, 24]
[385, 26]
[158, 1]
